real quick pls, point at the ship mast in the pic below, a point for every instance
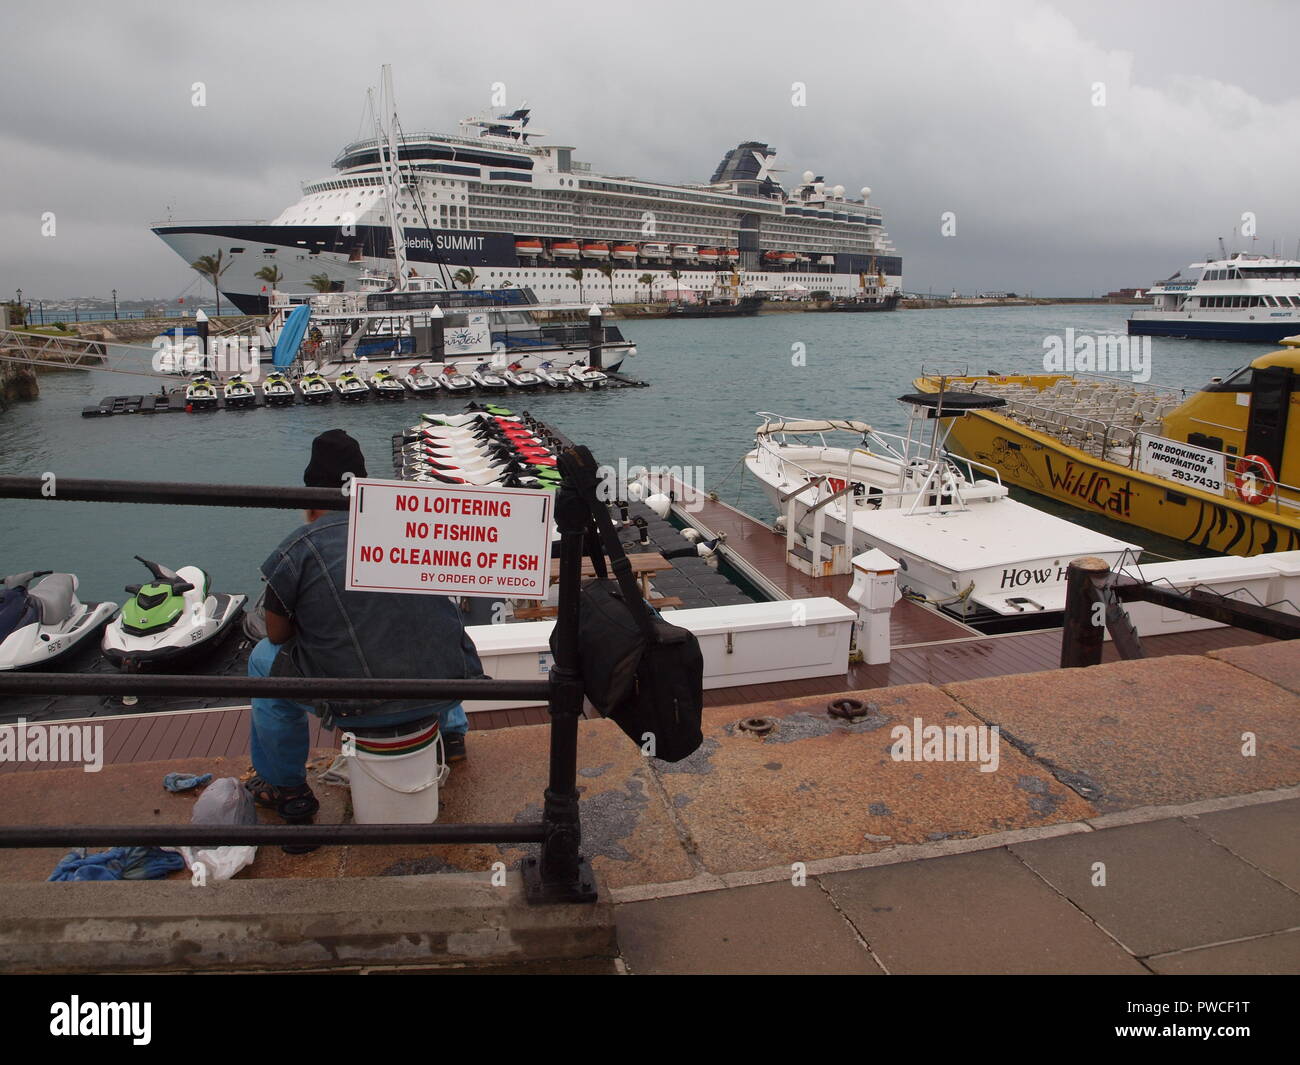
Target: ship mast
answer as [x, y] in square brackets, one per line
[386, 141]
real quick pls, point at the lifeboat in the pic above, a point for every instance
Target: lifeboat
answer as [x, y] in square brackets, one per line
[625, 251]
[565, 249]
[772, 256]
[684, 251]
[729, 255]
[596, 250]
[528, 248]
[788, 257]
[709, 255]
[655, 251]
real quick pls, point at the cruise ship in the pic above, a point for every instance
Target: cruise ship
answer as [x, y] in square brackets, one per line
[1238, 297]
[494, 206]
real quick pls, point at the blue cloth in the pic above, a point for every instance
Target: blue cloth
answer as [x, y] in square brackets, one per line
[279, 734]
[341, 633]
[184, 781]
[120, 863]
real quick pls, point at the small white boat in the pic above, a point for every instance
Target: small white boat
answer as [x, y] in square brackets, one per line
[201, 394]
[239, 393]
[961, 542]
[553, 378]
[488, 381]
[419, 381]
[351, 387]
[586, 376]
[524, 380]
[315, 389]
[277, 390]
[386, 384]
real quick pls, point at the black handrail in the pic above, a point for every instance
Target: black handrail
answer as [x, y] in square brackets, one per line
[559, 874]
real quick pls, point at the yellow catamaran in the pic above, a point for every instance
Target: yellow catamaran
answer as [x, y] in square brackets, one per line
[1216, 468]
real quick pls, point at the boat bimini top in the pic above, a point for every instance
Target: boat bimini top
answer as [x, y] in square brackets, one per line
[791, 425]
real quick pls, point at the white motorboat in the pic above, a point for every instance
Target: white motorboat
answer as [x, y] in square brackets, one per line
[417, 380]
[961, 542]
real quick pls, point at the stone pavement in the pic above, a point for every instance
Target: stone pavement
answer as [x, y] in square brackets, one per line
[1132, 817]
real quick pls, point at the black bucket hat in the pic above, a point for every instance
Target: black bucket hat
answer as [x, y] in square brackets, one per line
[333, 454]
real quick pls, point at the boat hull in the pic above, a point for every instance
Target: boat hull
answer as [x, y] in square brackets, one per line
[1265, 332]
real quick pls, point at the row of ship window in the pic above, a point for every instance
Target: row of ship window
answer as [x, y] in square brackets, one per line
[1249, 301]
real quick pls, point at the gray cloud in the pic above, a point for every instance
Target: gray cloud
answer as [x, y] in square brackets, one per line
[980, 109]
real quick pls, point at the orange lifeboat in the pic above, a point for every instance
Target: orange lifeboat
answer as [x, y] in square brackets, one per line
[626, 252]
[528, 248]
[565, 249]
[771, 256]
[708, 255]
[729, 254]
[789, 257]
[596, 250]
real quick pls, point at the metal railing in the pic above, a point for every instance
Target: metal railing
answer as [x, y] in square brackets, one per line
[557, 874]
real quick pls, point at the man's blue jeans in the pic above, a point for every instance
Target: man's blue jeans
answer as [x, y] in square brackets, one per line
[279, 733]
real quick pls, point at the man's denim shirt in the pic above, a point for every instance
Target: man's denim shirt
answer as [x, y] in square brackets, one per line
[341, 633]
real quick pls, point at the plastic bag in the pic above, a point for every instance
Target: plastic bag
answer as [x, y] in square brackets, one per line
[223, 802]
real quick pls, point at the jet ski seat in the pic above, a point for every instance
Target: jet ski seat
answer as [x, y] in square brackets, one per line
[52, 595]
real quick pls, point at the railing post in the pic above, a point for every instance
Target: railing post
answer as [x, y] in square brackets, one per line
[1083, 627]
[560, 874]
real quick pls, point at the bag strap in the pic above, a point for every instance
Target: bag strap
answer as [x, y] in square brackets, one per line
[599, 520]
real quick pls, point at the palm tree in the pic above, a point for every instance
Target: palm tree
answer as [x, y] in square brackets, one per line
[210, 267]
[271, 275]
[321, 283]
[608, 270]
[465, 276]
[647, 280]
[576, 274]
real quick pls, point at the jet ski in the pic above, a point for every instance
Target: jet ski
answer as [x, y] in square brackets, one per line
[239, 393]
[552, 377]
[586, 376]
[452, 381]
[386, 384]
[419, 381]
[315, 389]
[201, 394]
[277, 390]
[42, 621]
[168, 619]
[524, 380]
[486, 380]
[351, 387]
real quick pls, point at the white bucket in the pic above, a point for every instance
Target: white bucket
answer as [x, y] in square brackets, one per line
[395, 789]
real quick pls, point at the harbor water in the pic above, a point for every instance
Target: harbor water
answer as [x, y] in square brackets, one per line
[708, 378]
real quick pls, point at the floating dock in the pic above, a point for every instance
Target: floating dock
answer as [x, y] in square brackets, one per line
[173, 401]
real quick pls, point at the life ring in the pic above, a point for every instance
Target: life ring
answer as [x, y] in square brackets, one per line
[1251, 488]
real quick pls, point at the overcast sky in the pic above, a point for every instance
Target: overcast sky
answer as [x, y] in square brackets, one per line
[982, 109]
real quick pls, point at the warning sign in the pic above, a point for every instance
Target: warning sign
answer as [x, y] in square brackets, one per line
[449, 540]
[1187, 464]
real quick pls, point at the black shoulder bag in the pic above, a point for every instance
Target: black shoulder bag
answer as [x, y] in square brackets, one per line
[638, 670]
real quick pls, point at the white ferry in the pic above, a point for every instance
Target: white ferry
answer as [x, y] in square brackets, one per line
[494, 207]
[1238, 297]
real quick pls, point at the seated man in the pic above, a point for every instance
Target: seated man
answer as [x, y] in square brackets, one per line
[315, 628]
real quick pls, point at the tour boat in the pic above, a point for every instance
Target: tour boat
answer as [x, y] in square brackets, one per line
[962, 544]
[1218, 468]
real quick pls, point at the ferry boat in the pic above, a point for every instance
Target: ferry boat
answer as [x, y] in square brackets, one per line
[1238, 297]
[506, 327]
[497, 200]
[963, 546]
[1217, 469]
